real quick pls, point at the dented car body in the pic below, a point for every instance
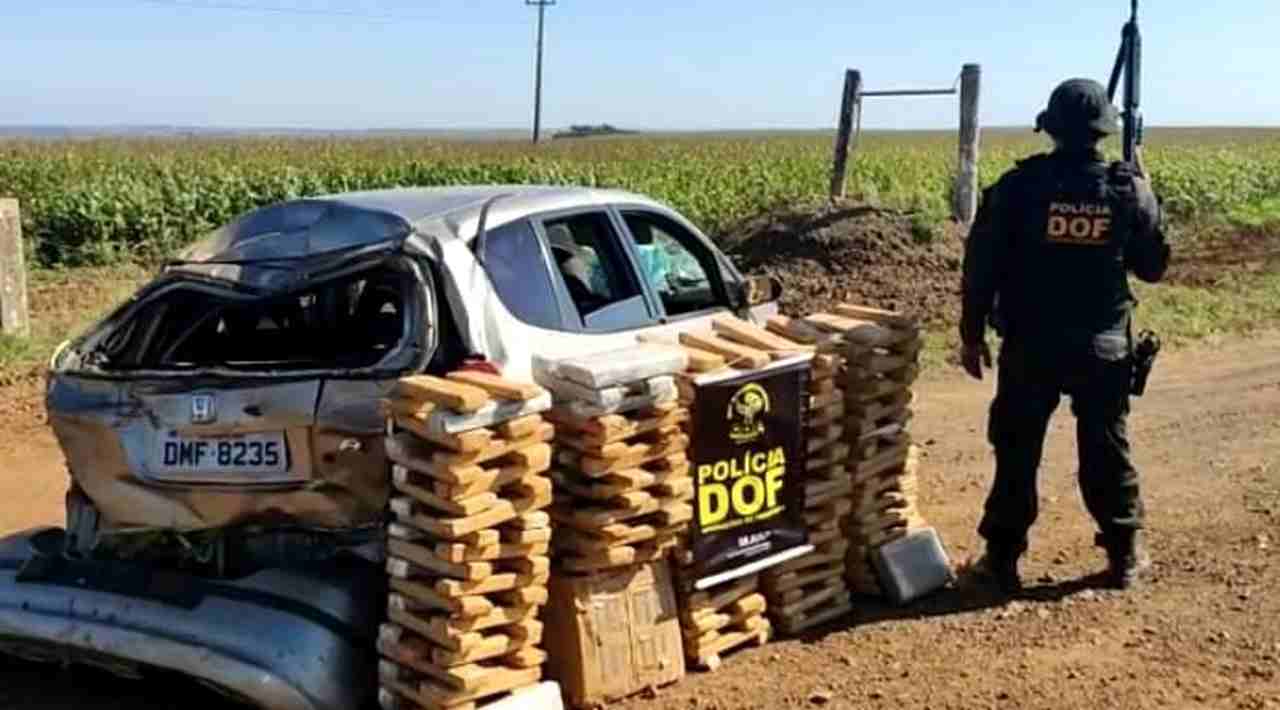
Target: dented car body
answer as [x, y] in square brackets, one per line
[222, 428]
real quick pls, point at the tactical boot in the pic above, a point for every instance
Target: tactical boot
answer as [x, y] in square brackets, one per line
[1126, 559]
[999, 567]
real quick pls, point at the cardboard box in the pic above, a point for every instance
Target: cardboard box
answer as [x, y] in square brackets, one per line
[613, 634]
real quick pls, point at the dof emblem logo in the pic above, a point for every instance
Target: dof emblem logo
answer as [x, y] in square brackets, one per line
[746, 413]
[1079, 223]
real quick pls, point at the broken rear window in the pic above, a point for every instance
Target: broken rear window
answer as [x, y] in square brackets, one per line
[347, 323]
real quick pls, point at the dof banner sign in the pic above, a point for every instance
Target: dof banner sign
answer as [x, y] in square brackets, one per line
[747, 454]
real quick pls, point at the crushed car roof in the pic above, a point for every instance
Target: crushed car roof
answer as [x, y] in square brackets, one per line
[274, 248]
[307, 227]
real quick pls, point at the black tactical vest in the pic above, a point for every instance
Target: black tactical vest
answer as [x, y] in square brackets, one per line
[1069, 219]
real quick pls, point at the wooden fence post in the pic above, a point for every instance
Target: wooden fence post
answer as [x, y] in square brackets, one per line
[13, 272]
[966, 187]
[848, 104]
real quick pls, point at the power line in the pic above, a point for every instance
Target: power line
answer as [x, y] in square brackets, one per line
[281, 10]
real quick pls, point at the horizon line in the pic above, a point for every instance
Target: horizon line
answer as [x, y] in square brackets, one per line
[47, 128]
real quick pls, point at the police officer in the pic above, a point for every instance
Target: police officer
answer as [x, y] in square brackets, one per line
[1046, 263]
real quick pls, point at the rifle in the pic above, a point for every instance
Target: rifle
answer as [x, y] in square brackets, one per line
[1129, 65]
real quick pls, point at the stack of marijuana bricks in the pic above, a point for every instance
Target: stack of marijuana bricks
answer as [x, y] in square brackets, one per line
[622, 483]
[730, 614]
[881, 367]
[811, 590]
[467, 551]
[720, 619]
[880, 350]
[808, 590]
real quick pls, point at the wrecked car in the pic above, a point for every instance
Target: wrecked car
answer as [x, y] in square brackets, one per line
[228, 480]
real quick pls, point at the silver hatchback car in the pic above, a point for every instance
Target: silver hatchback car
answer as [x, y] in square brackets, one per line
[222, 430]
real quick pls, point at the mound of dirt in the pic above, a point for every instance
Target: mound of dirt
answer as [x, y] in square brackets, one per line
[1221, 254]
[857, 254]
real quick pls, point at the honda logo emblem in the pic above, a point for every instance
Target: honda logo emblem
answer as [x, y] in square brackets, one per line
[204, 409]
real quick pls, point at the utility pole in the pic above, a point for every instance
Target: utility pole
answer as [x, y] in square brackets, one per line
[542, 6]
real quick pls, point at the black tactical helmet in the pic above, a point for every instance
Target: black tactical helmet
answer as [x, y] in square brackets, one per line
[1079, 108]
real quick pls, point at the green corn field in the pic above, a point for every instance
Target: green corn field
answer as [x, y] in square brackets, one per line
[92, 202]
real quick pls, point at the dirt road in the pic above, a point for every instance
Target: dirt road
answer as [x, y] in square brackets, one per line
[1204, 633]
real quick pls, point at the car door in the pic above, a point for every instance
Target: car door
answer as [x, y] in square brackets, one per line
[569, 272]
[689, 277]
[562, 282]
[596, 272]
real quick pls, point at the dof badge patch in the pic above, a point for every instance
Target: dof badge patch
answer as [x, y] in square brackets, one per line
[1086, 223]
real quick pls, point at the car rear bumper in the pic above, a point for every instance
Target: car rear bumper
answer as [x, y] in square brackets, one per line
[292, 640]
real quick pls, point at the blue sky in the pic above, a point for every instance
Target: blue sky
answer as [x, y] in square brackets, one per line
[660, 64]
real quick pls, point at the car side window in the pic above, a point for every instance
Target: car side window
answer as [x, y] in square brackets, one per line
[520, 274]
[675, 263]
[596, 272]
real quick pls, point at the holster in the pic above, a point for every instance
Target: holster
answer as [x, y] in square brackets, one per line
[1145, 351]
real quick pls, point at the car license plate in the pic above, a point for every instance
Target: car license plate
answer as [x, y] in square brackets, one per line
[190, 457]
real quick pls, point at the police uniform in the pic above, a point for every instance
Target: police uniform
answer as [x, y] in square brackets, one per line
[1046, 263]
